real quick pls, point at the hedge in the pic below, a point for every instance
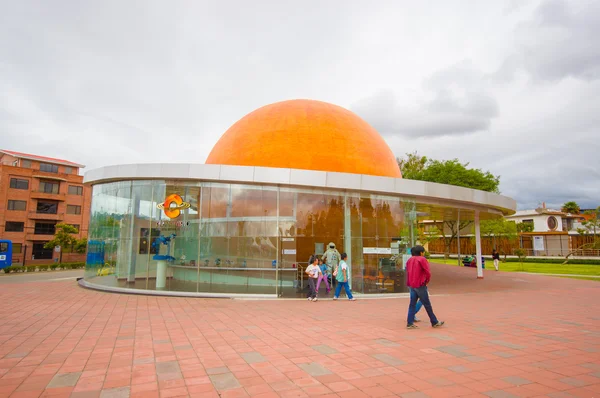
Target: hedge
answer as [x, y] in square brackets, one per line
[552, 260]
[43, 267]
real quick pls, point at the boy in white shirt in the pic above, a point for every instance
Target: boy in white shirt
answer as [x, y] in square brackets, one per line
[313, 272]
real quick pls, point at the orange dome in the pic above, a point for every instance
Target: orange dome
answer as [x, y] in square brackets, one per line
[305, 134]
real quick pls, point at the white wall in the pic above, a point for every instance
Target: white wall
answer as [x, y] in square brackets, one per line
[540, 222]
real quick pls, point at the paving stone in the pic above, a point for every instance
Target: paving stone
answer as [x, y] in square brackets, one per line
[475, 358]
[517, 381]
[500, 394]
[573, 382]
[253, 357]
[168, 367]
[64, 380]
[504, 354]
[216, 371]
[387, 343]
[441, 336]
[555, 338]
[314, 369]
[454, 350]
[246, 338]
[595, 374]
[488, 331]
[225, 381]
[560, 394]
[121, 392]
[388, 359]
[324, 349]
[416, 394]
[459, 369]
[507, 344]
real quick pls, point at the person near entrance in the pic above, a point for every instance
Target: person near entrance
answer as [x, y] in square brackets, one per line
[331, 257]
[418, 276]
[341, 274]
[314, 272]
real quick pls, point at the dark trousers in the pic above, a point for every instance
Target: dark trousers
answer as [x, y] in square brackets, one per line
[312, 287]
[420, 293]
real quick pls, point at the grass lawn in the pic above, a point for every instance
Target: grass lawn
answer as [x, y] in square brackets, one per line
[540, 268]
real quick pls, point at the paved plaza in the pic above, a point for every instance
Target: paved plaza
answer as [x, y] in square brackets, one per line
[509, 335]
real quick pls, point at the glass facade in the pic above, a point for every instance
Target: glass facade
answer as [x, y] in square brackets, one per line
[233, 238]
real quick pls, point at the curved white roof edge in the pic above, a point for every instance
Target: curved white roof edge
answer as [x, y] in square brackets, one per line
[422, 191]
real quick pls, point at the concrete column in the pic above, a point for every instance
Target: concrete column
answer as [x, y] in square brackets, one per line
[348, 237]
[131, 246]
[478, 246]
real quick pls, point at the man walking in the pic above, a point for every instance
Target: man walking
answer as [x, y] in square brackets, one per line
[343, 271]
[418, 276]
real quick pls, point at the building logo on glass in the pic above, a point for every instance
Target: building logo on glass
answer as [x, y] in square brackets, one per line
[173, 205]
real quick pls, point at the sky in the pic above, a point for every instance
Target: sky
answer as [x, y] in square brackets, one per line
[511, 86]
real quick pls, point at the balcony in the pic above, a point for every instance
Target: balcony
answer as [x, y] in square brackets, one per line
[51, 196]
[38, 237]
[45, 216]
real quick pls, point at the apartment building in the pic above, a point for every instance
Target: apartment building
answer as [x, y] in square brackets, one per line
[36, 193]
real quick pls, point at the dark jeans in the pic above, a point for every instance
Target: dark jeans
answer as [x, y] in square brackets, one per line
[312, 287]
[421, 294]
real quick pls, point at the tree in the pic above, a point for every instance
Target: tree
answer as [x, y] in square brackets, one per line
[63, 237]
[451, 172]
[412, 165]
[499, 228]
[592, 224]
[524, 227]
[571, 207]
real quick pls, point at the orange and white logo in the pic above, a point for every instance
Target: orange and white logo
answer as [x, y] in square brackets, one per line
[173, 205]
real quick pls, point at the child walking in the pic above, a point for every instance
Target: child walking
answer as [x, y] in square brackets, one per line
[314, 272]
[323, 276]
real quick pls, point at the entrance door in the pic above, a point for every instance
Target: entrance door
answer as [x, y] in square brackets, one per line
[40, 253]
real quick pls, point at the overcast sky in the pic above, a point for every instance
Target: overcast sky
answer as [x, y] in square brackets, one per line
[510, 86]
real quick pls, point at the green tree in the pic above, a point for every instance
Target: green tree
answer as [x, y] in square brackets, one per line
[412, 165]
[592, 224]
[499, 228]
[451, 172]
[63, 237]
[524, 227]
[571, 207]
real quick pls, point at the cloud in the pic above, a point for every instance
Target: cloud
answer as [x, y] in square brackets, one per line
[454, 101]
[558, 42]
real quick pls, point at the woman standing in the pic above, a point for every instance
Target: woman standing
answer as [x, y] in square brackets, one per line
[496, 258]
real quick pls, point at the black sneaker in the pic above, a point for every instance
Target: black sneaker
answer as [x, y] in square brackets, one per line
[439, 324]
[412, 326]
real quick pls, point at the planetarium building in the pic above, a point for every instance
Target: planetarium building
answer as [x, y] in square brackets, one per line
[287, 181]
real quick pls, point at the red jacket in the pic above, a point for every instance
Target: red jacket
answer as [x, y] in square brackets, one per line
[417, 272]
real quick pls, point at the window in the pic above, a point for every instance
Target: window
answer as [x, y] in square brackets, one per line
[76, 226]
[3, 247]
[40, 253]
[72, 209]
[49, 186]
[17, 183]
[17, 205]
[529, 222]
[13, 226]
[44, 228]
[47, 207]
[68, 170]
[75, 190]
[17, 248]
[49, 168]
[26, 163]
[552, 223]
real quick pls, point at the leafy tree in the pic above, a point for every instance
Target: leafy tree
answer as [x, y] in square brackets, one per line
[524, 227]
[592, 224]
[571, 207]
[499, 228]
[451, 172]
[412, 165]
[63, 237]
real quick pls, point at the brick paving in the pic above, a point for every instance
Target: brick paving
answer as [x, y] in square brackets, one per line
[509, 335]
